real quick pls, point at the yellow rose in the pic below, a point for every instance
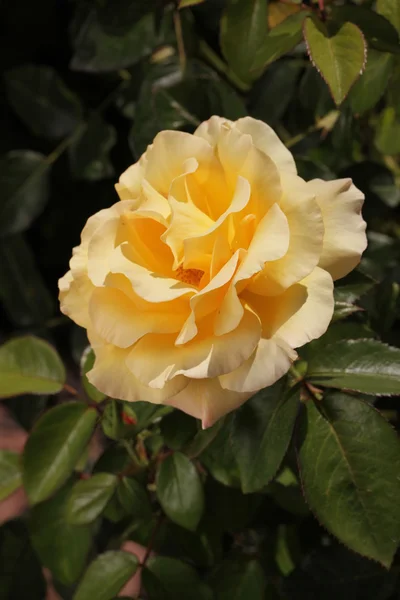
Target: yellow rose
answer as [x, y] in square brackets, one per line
[215, 264]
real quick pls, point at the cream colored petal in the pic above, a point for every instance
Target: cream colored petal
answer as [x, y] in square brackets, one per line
[268, 363]
[130, 182]
[111, 376]
[306, 238]
[152, 201]
[150, 286]
[265, 139]
[155, 360]
[119, 321]
[210, 130]
[313, 317]
[345, 239]
[166, 157]
[205, 399]
[75, 293]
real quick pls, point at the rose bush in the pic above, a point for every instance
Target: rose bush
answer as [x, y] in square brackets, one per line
[217, 262]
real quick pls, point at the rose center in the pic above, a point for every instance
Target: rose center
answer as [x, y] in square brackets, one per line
[190, 276]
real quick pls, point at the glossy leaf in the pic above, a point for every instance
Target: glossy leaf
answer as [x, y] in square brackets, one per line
[372, 83]
[24, 189]
[89, 154]
[54, 447]
[106, 575]
[10, 473]
[180, 491]
[87, 362]
[219, 458]
[391, 10]
[387, 138]
[171, 579]
[133, 498]
[363, 365]
[239, 580]
[262, 429]
[202, 439]
[340, 58]
[280, 40]
[29, 365]
[61, 547]
[243, 29]
[89, 498]
[349, 462]
[42, 101]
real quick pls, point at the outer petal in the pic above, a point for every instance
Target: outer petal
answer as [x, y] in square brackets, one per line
[210, 130]
[268, 363]
[265, 139]
[306, 239]
[130, 182]
[111, 376]
[155, 360]
[75, 293]
[345, 240]
[119, 321]
[205, 399]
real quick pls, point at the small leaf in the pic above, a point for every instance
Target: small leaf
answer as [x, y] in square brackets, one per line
[61, 547]
[29, 365]
[349, 460]
[372, 84]
[387, 137]
[42, 101]
[262, 429]
[133, 498]
[362, 365]
[390, 9]
[87, 362]
[180, 491]
[340, 58]
[10, 473]
[89, 498]
[89, 154]
[24, 189]
[280, 40]
[186, 3]
[106, 575]
[171, 579]
[239, 580]
[54, 447]
[243, 29]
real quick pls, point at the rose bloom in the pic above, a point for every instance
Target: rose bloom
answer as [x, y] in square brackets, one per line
[217, 262]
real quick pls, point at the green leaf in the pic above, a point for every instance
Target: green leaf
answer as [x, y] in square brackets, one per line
[89, 498]
[219, 458]
[243, 29]
[387, 135]
[10, 473]
[180, 491]
[97, 51]
[42, 101]
[106, 575]
[202, 439]
[89, 154]
[349, 460]
[262, 429]
[339, 58]
[390, 9]
[186, 3]
[362, 365]
[133, 498]
[239, 579]
[332, 572]
[280, 40]
[24, 188]
[177, 429]
[23, 292]
[29, 365]
[379, 33]
[54, 447]
[172, 579]
[372, 84]
[87, 362]
[61, 547]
